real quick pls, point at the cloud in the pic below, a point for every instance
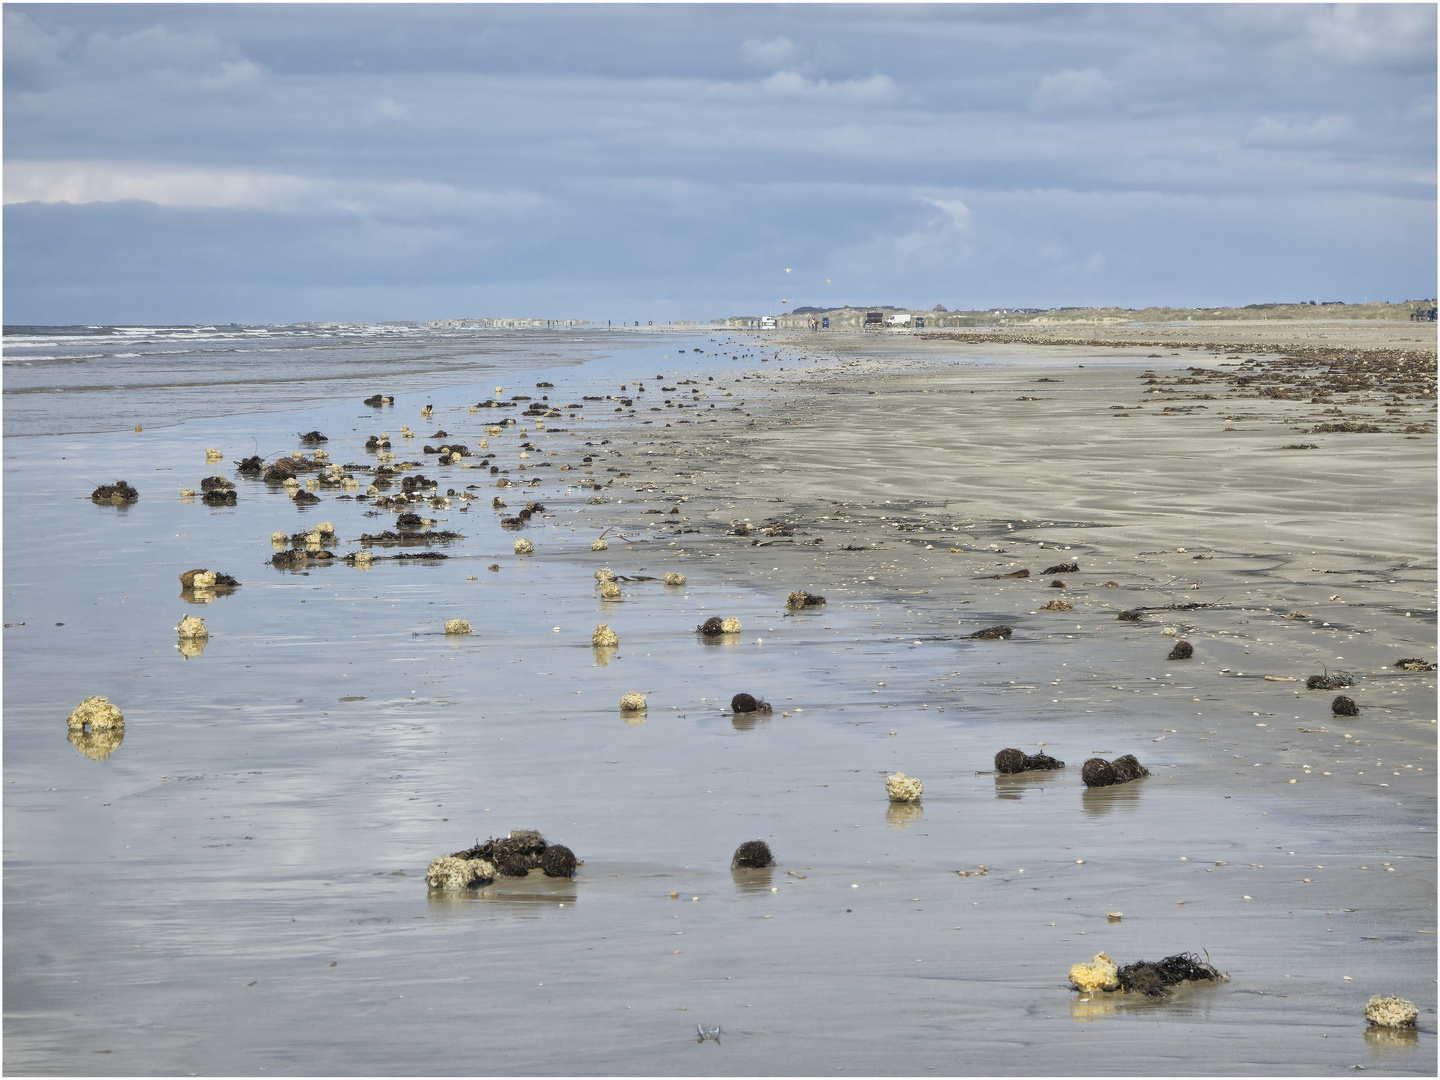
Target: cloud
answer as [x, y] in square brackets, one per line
[956, 210]
[234, 75]
[1269, 131]
[1373, 33]
[80, 182]
[384, 109]
[793, 84]
[775, 53]
[1072, 90]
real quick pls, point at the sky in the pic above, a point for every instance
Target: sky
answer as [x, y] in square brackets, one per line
[276, 163]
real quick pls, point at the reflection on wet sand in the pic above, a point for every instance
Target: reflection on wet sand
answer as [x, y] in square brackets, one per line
[604, 654]
[900, 815]
[1014, 785]
[748, 721]
[753, 880]
[1391, 1042]
[1186, 1000]
[191, 647]
[1100, 801]
[1085, 1008]
[719, 640]
[533, 888]
[96, 744]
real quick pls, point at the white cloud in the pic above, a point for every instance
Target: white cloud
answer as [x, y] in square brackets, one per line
[234, 74]
[775, 53]
[793, 84]
[103, 182]
[956, 210]
[1072, 90]
[1268, 130]
[384, 109]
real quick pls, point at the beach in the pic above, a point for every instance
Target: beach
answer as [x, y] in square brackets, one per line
[239, 885]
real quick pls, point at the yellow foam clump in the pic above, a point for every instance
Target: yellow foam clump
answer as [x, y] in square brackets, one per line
[192, 626]
[1100, 974]
[1391, 1012]
[902, 788]
[96, 712]
[448, 872]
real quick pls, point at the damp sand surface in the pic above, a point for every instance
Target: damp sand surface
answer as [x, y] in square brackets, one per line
[238, 887]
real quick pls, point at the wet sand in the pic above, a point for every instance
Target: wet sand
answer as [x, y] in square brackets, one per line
[178, 906]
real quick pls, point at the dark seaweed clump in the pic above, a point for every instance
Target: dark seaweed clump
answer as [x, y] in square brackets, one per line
[294, 559]
[745, 703]
[1183, 650]
[798, 600]
[1414, 663]
[1134, 615]
[222, 581]
[558, 861]
[423, 537]
[752, 855]
[522, 851]
[114, 494]
[220, 497]
[1097, 772]
[991, 633]
[1337, 681]
[1344, 706]
[1061, 568]
[1155, 980]
[711, 627]
[1011, 760]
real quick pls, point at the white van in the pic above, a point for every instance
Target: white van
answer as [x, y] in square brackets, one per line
[767, 322]
[898, 320]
